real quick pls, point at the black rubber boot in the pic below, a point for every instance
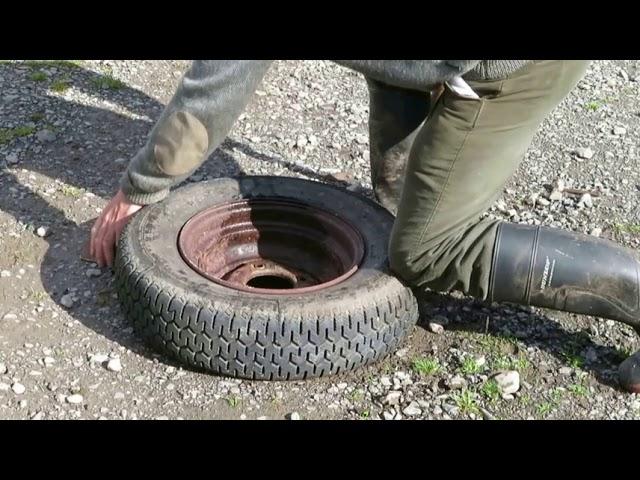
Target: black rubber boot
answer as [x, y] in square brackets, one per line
[569, 271]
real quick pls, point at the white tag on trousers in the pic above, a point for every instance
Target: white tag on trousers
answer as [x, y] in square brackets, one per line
[462, 88]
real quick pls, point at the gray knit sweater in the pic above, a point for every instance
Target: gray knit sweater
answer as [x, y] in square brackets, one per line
[213, 93]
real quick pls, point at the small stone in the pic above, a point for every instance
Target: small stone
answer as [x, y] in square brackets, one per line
[93, 272]
[75, 399]
[3, 369]
[555, 195]
[301, 141]
[393, 398]
[114, 365]
[42, 232]
[343, 176]
[263, 418]
[388, 415]
[10, 316]
[412, 410]
[450, 409]
[38, 416]
[586, 200]
[436, 328]
[5, 273]
[533, 198]
[342, 385]
[385, 381]
[619, 130]
[565, 371]
[508, 382]
[294, 416]
[12, 159]
[591, 355]
[595, 231]
[456, 382]
[543, 201]
[402, 352]
[18, 388]
[98, 358]
[48, 361]
[67, 300]
[585, 153]
[480, 360]
[45, 136]
[361, 139]
[119, 396]
[4, 387]
[486, 414]
[441, 319]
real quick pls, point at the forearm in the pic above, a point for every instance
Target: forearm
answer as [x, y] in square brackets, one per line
[210, 98]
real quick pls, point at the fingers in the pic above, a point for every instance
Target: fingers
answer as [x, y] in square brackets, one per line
[107, 245]
[94, 233]
[108, 227]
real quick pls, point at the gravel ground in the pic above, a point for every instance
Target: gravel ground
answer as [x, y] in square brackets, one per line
[67, 130]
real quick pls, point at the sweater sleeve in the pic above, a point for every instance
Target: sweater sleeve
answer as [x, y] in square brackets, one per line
[210, 98]
[412, 74]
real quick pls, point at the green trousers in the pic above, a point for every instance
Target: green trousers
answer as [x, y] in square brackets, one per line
[459, 153]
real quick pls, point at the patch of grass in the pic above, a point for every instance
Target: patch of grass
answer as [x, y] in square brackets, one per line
[356, 395]
[233, 402]
[593, 106]
[578, 389]
[557, 394]
[365, 414]
[426, 366]
[545, 408]
[386, 368]
[627, 228]
[61, 85]
[525, 399]
[466, 401]
[38, 295]
[8, 134]
[521, 364]
[499, 345]
[54, 63]
[38, 76]
[70, 191]
[36, 117]
[491, 390]
[470, 366]
[23, 131]
[108, 81]
[573, 360]
[502, 362]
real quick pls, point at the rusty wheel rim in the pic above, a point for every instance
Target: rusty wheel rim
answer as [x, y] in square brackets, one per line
[274, 246]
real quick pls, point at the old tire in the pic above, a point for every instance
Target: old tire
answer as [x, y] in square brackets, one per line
[257, 336]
